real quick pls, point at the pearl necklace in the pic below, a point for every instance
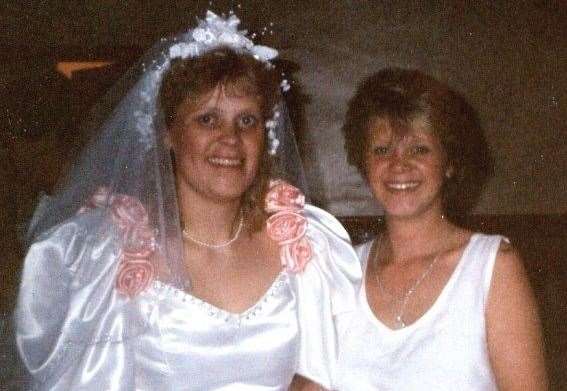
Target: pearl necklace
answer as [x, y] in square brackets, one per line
[187, 235]
[400, 314]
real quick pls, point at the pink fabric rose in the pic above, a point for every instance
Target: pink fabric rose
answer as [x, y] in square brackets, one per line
[286, 227]
[136, 270]
[100, 198]
[283, 196]
[139, 242]
[294, 256]
[134, 275]
[128, 212]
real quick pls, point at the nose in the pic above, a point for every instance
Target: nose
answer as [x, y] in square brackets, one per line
[399, 159]
[230, 133]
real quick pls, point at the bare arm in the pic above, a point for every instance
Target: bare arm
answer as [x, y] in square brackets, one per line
[302, 384]
[513, 327]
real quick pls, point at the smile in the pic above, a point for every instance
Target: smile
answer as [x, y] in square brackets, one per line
[225, 162]
[402, 185]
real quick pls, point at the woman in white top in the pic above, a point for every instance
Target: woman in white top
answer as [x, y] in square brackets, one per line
[441, 308]
[192, 267]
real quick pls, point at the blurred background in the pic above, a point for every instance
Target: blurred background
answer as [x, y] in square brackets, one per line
[508, 58]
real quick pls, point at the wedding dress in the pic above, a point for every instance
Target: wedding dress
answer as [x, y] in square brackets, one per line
[95, 312]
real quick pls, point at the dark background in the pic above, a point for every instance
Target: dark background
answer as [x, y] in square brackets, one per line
[507, 57]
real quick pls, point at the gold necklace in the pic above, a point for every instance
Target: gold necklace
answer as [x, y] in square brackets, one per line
[399, 316]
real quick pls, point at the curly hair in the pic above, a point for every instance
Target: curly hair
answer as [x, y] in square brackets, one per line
[240, 74]
[401, 96]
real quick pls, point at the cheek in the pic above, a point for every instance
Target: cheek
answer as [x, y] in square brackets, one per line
[189, 143]
[367, 162]
[254, 144]
[373, 167]
[436, 170]
[373, 177]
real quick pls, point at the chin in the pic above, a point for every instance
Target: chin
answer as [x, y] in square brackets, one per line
[406, 207]
[230, 190]
[409, 210]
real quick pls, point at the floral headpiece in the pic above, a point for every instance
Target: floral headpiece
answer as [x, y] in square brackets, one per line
[214, 32]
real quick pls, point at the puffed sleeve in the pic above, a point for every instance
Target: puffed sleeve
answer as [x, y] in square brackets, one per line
[327, 286]
[70, 322]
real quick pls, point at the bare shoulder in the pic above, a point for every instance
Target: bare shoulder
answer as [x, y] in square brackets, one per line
[509, 266]
[506, 247]
[513, 326]
[455, 244]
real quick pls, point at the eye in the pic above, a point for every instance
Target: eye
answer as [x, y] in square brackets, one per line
[381, 150]
[248, 121]
[420, 150]
[207, 120]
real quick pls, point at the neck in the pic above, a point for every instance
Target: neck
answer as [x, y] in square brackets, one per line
[416, 236]
[208, 220]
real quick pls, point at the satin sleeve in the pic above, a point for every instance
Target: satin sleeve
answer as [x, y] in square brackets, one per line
[327, 287]
[72, 328]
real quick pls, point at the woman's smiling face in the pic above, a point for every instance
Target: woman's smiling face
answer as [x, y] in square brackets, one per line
[405, 167]
[218, 140]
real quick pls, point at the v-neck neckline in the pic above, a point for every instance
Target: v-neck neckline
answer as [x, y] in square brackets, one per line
[436, 303]
[212, 309]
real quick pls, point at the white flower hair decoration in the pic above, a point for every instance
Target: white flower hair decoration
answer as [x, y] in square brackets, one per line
[215, 31]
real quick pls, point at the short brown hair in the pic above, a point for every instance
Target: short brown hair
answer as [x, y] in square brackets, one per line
[402, 95]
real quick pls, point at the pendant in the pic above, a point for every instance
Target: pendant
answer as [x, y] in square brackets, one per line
[400, 321]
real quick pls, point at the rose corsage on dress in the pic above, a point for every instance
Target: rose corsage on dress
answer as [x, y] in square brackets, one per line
[287, 225]
[136, 271]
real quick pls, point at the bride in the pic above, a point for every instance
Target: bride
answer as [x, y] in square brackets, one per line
[177, 254]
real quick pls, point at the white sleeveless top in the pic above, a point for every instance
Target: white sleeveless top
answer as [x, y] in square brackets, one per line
[445, 349]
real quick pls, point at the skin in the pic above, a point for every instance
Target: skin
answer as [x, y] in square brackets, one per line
[301, 384]
[218, 141]
[406, 170]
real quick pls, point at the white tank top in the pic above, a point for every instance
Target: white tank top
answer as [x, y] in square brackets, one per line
[445, 349]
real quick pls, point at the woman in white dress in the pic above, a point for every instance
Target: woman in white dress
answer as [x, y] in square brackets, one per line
[174, 256]
[441, 308]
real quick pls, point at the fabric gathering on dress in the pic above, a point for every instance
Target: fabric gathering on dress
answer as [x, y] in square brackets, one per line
[77, 330]
[81, 334]
[445, 349]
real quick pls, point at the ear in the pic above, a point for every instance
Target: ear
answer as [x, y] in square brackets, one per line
[167, 140]
[449, 172]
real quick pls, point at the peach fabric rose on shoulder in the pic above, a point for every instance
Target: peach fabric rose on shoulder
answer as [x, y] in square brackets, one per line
[283, 196]
[296, 255]
[134, 275]
[287, 225]
[100, 198]
[136, 270]
[139, 242]
[128, 212]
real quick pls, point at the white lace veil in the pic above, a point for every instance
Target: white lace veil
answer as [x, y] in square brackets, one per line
[127, 155]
